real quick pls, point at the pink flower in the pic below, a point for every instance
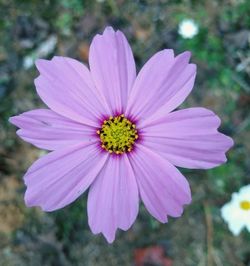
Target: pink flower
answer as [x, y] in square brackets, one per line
[114, 133]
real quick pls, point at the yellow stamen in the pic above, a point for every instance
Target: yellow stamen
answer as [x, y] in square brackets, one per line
[245, 205]
[118, 134]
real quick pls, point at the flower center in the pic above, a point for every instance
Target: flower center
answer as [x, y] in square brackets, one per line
[118, 134]
[245, 205]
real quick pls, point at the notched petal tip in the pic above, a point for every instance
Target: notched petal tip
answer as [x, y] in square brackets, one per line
[213, 115]
[230, 142]
[108, 29]
[185, 57]
[43, 64]
[37, 81]
[18, 120]
[163, 219]
[127, 226]
[30, 203]
[187, 54]
[189, 199]
[19, 132]
[110, 238]
[58, 57]
[168, 52]
[14, 120]
[40, 64]
[193, 67]
[28, 200]
[107, 33]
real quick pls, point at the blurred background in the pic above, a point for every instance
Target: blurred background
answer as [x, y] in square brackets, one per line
[219, 39]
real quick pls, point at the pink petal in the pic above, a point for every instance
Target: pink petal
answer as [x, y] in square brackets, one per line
[188, 138]
[113, 68]
[163, 189]
[48, 130]
[66, 86]
[113, 198]
[162, 85]
[60, 177]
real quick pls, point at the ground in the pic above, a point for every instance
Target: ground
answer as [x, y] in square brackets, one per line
[221, 50]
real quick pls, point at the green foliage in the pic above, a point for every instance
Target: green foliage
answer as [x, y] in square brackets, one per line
[72, 228]
[64, 23]
[238, 15]
[227, 178]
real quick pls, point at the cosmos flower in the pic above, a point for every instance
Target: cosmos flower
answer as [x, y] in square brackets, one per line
[188, 28]
[237, 212]
[114, 133]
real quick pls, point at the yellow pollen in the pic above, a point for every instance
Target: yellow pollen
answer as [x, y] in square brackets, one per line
[245, 205]
[117, 134]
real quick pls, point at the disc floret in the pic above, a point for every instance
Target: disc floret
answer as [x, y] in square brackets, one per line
[245, 205]
[118, 134]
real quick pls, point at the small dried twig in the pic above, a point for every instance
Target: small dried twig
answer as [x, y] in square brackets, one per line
[209, 224]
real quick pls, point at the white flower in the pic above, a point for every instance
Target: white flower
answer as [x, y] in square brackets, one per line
[237, 212]
[188, 28]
